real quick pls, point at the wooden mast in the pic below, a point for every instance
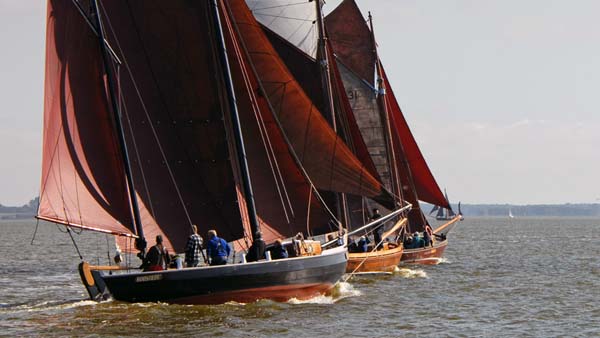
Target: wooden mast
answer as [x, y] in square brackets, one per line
[235, 121]
[323, 61]
[140, 242]
[381, 101]
[394, 177]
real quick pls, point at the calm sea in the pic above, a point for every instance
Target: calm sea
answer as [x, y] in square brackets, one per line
[523, 277]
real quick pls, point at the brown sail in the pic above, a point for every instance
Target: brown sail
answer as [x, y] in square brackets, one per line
[83, 182]
[426, 187]
[328, 161]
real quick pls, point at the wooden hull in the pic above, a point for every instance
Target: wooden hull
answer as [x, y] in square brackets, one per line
[278, 280]
[429, 255]
[376, 261]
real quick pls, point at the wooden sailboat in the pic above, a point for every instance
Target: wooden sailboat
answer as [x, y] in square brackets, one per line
[355, 49]
[309, 56]
[161, 116]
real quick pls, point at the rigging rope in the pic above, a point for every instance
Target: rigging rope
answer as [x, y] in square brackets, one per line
[288, 143]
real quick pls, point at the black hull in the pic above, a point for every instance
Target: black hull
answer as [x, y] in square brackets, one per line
[279, 280]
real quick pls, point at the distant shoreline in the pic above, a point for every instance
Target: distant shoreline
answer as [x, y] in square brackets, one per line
[485, 210]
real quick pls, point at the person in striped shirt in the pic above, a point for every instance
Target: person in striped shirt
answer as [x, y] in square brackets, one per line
[193, 248]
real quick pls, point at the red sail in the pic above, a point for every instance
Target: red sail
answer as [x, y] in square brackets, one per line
[329, 162]
[281, 193]
[172, 98]
[426, 187]
[351, 39]
[83, 181]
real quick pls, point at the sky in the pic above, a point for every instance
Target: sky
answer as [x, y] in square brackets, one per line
[502, 96]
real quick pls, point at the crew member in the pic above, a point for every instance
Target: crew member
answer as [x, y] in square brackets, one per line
[278, 251]
[193, 248]
[157, 258]
[217, 249]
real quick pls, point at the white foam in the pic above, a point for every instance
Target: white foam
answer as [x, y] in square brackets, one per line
[340, 291]
[443, 260]
[410, 273]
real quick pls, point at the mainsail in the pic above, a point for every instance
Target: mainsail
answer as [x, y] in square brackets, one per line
[171, 103]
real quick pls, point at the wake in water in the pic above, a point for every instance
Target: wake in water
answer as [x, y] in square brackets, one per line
[46, 305]
[443, 260]
[410, 273]
[340, 291]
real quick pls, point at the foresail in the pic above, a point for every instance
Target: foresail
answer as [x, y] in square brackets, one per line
[328, 161]
[83, 182]
[426, 187]
[293, 20]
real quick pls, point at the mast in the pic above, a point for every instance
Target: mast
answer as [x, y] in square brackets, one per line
[394, 176]
[140, 242]
[235, 121]
[323, 61]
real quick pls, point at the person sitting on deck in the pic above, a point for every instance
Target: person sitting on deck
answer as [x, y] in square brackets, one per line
[417, 241]
[363, 244]
[408, 242]
[217, 249]
[157, 258]
[257, 249]
[193, 248]
[278, 251]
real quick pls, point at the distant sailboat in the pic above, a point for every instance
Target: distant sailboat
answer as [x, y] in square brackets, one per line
[510, 214]
[443, 214]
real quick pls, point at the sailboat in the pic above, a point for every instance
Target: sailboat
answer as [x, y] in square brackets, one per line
[443, 214]
[164, 115]
[365, 81]
[510, 214]
[297, 32]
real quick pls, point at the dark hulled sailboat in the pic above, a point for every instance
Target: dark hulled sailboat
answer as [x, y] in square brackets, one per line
[159, 115]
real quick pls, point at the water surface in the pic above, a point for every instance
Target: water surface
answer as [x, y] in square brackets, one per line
[500, 278]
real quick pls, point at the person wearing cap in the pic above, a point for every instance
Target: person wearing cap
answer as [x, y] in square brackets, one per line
[257, 249]
[217, 249]
[157, 258]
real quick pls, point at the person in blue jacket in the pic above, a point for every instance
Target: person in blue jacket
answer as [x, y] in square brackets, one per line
[417, 241]
[217, 249]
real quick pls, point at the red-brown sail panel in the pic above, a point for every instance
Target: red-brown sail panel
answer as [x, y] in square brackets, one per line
[83, 181]
[426, 187]
[351, 39]
[171, 87]
[329, 162]
[281, 192]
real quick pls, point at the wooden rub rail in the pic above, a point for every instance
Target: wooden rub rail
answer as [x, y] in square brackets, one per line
[86, 270]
